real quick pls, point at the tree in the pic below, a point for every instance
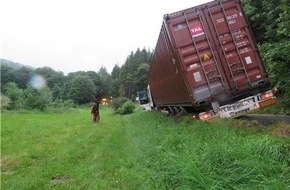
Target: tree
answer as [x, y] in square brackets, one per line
[37, 99]
[260, 13]
[5, 101]
[141, 76]
[82, 89]
[266, 17]
[22, 76]
[6, 75]
[278, 66]
[115, 72]
[115, 81]
[132, 73]
[52, 77]
[98, 82]
[65, 88]
[284, 19]
[15, 95]
[57, 92]
[105, 83]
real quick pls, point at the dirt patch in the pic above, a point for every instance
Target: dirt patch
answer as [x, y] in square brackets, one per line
[8, 166]
[281, 130]
[60, 179]
[241, 123]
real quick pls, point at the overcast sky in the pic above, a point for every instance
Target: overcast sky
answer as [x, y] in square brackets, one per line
[74, 35]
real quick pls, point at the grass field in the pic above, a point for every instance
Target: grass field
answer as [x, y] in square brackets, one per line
[144, 150]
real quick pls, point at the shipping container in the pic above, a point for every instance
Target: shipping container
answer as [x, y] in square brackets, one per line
[206, 56]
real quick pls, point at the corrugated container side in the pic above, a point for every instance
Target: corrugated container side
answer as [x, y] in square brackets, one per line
[167, 83]
[208, 54]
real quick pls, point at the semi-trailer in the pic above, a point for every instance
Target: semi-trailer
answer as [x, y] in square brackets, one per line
[206, 61]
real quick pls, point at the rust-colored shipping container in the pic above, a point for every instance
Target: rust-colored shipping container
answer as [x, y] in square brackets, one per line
[206, 54]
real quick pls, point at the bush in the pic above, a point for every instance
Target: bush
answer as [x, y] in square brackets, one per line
[15, 95]
[37, 99]
[59, 103]
[278, 66]
[118, 102]
[5, 101]
[127, 108]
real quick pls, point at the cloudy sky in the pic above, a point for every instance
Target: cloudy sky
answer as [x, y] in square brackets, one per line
[73, 35]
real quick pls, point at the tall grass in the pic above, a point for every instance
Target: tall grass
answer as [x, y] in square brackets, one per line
[144, 150]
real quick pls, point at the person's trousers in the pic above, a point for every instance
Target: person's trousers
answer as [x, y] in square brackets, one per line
[96, 117]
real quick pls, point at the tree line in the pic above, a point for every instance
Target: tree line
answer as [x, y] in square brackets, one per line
[19, 88]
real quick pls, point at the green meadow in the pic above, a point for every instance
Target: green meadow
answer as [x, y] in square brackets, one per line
[143, 150]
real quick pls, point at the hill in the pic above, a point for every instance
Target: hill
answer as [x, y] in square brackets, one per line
[12, 64]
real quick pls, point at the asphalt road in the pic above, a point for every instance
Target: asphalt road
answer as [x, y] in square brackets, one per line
[267, 119]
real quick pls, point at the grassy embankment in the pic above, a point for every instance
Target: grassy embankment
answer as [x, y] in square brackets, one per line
[144, 150]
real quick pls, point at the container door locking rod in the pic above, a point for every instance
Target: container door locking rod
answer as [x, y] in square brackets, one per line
[212, 52]
[198, 54]
[235, 44]
[223, 49]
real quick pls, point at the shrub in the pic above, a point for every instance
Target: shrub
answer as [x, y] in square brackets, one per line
[15, 95]
[4, 101]
[278, 66]
[37, 99]
[118, 102]
[59, 103]
[127, 108]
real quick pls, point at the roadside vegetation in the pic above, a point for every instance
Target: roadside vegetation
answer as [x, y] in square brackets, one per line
[270, 21]
[143, 150]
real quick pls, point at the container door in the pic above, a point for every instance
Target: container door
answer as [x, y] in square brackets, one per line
[196, 53]
[235, 45]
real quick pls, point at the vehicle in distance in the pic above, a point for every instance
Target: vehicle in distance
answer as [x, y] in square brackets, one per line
[206, 61]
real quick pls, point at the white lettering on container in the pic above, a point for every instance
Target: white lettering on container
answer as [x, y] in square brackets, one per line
[230, 18]
[244, 50]
[196, 30]
[232, 21]
[220, 20]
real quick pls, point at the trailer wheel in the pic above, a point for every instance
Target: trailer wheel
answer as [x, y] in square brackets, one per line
[183, 110]
[171, 111]
[176, 110]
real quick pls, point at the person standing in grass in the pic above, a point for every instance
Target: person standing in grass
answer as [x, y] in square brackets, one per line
[95, 111]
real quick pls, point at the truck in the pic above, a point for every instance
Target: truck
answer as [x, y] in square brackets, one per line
[206, 62]
[143, 99]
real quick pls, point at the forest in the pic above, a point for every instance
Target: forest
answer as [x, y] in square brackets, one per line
[270, 21]
[19, 92]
